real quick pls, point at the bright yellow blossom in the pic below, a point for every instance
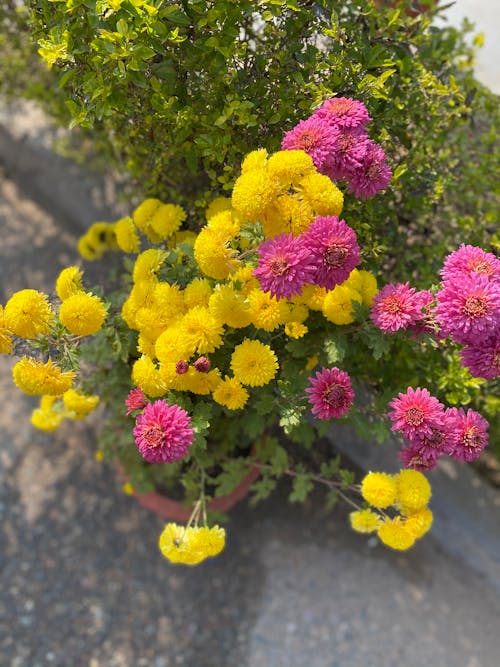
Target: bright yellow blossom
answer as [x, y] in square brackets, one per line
[379, 489]
[197, 293]
[413, 490]
[148, 264]
[230, 393]
[36, 378]
[266, 311]
[419, 523]
[6, 343]
[148, 377]
[393, 534]
[69, 282]
[127, 237]
[200, 330]
[78, 404]
[364, 521]
[337, 305]
[213, 252]
[322, 194]
[216, 206]
[254, 363]
[82, 314]
[28, 314]
[255, 160]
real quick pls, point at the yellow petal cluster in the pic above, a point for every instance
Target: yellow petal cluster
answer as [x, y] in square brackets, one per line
[191, 545]
[254, 363]
[69, 282]
[82, 314]
[28, 314]
[37, 378]
[231, 394]
[6, 342]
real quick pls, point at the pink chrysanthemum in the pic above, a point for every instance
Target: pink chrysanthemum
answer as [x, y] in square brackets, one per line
[343, 112]
[202, 365]
[396, 306]
[373, 175]
[468, 308]
[418, 458]
[163, 432]
[483, 360]
[347, 154]
[284, 266]
[469, 433]
[426, 321]
[315, 137]
[333, 250]
[416, 414]
[469, 260]
[181, 367]
[136, 400]
[330, 393]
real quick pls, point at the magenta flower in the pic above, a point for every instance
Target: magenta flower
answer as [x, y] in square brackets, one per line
[136, 400]
[483, 359]
[181, 367]
[468, 432]
[331, 393]
[284, 266]
[373, 175]
[418, 458]
[347, 155]
[333, 250]
[163, 432]
[416, 414]
[468, 308]
[469, 260]
[202, 365]
[397, 306]
[343, 112]
[315, 137]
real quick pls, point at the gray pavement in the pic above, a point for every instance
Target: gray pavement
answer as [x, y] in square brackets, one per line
[83, 585]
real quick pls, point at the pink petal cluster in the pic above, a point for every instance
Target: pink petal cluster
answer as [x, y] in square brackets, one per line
[330, 393]
[136, 400]
[468, 432]
[315, 137]
[469, 260]
[416, 414]
[399, 306]
[284, 266]
[344, 112]
[483, 359]
[163, 432]
[373, 175]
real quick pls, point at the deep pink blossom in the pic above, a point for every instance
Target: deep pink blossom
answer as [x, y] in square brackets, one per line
[468, 432]
[468, 308]
[202, 365]
[373, 175]
[284, 266]
[315, 137]
[469, 260]
[416, 414]
[333, 250]
[181, 367]
[136, 400]
[343, 112]
[347, 154]
[163, 432]
[418, 458]
[483, 359]
[330, 393]
[397, 306]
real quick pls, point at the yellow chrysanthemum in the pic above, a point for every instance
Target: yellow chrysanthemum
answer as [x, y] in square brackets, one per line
[225, 224]
[69, 282]
[141, 296]
[253, 192]
[419, 523]
[266, 311]
[217, 205]
[148, 264]
[289, 167]
[364, 521]
[322, 194]
[82, 314]
[89, 250]
[6, 342]
[363, 282]
[199, 383]
[297, 312]
[127, 237]
[102, 235]
[230, 393]
[46, 420]
[168, 302]
[337, 305]
[36, 378]
[79, 404]
[197, 293]
[312, 296]
[295, 329]
[229, 307]
[200, 329]
[214, 254]
[148, 377]
[208, 541]
[254, 160]
[146, 344]
[254, 363]
[379, 489]
[143, 216]
[393, 534]
[185, 236]
[287, 214]
[190, 545]
[166, 220]
[413, 490]
[28, 314]
[243, 279]
[172, 346]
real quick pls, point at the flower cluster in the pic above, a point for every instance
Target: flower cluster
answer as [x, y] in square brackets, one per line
[398, 510]
[192, 544]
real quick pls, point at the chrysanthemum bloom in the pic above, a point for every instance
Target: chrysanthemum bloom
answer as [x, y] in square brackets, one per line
[225, 223]
[338, 304]
[364, 521]
[197, 293]
[333, 249]
[287, 214]
[379, 489]
[78, 404]
[468, 432]
[266, 311]
[416, 413]
[28, 314]
[295, 329]
[289, 167]
[230, 393]
[82, 314]
[45, 418]
[148, 377]
[167, 219]
[322, 194]
[202, 365]
[284, 266]
[36, 378]
[393, 533]
[254, 363]
[373, 175]
[136, 400]
[469, 260]
[253, 192]
[413, 490]
[348, 154]
[330, 393]
[254, 160]
[176, 545]
[102, 234]
[218, 205]
[181, 367]
[163, 432]
[418, 457]
[200, 330]
[69, 282]
[419, 523]
[228, 306]
[6, 342]
[468, 308]
[148, 264]
[209, 541]
[483, 359]
[214, 254]
[396, 306]
[143, 215]
[127, 237]
[343, 112]
[314, 136]
[199, 383]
